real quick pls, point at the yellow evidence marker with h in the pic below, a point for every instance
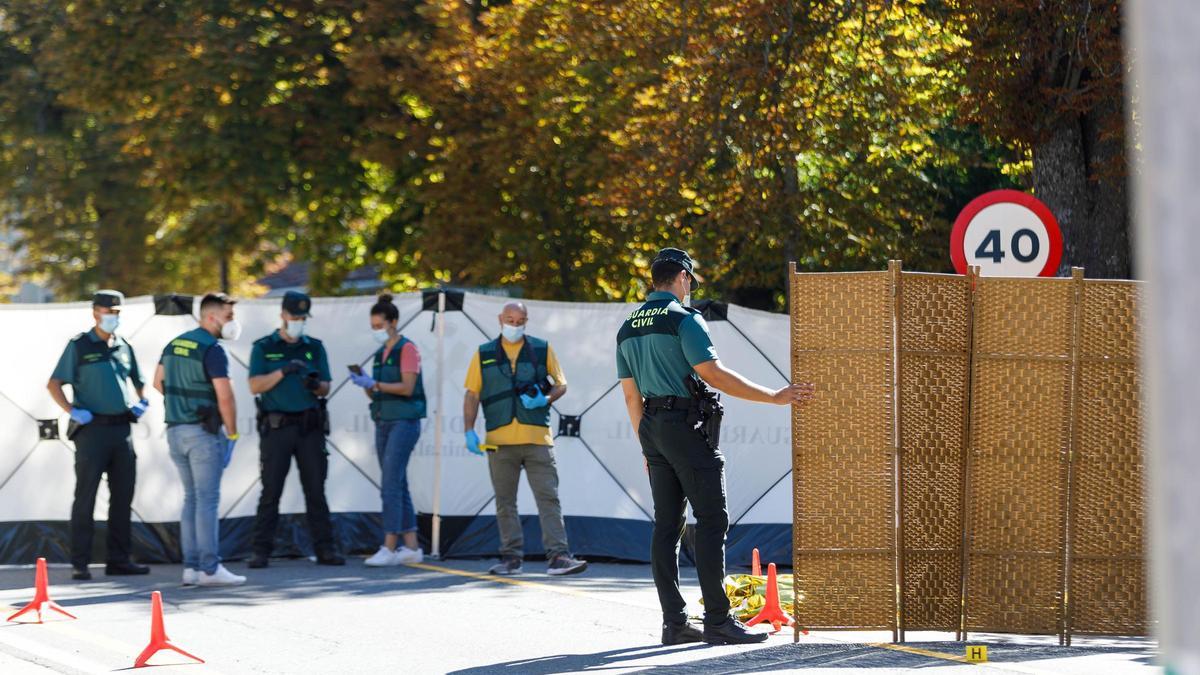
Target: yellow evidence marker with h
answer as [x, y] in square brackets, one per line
[977, 654]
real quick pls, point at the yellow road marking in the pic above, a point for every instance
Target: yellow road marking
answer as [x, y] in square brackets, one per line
[553, 588]
[918, 651]
[1001, 665]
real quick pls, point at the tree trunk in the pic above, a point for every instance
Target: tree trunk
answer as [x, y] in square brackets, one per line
[1077, 173]
[224, 269]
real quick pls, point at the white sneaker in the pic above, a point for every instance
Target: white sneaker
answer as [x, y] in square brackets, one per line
[190, 576]
[384, 557]
[405, 555]
[222, 577]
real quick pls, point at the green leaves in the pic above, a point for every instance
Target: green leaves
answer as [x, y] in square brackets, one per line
[548, 145]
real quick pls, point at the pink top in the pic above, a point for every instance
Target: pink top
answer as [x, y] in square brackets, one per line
[410, 358]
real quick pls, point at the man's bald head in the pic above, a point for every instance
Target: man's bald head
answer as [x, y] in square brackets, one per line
[514, 314]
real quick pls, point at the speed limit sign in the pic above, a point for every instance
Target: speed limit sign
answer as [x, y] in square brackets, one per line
[1007, 234]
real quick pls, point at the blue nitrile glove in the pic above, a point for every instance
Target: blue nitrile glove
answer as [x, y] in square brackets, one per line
[81, 416]
[365, 381]
[532, 402]
[473, 442]
[227, 451]
[138, 409]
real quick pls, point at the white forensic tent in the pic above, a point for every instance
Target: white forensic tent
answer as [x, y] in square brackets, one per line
[603, 487]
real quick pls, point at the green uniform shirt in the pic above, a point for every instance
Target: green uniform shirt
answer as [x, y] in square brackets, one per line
[659, 344]
[272, 352]
[99, 374]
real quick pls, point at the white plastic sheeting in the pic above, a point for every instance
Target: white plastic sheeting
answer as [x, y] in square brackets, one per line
[601, 472]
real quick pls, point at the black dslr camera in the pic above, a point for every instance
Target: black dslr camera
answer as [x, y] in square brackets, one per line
[533, 388]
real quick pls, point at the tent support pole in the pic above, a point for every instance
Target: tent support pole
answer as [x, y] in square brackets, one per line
[438, 418]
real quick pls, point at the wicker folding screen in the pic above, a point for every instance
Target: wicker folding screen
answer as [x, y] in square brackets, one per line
[844, 528]
[973, 454]
[1017, 462]
[934, 330]
[1107, 575]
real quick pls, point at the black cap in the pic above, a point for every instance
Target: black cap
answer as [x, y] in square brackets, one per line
[297, 303]
[108, 298]
[678, 257]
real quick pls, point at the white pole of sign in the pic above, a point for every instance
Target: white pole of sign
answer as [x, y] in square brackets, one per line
[1166, 80]
[436, 535]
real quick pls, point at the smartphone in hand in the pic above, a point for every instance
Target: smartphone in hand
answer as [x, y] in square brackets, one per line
[356, 369]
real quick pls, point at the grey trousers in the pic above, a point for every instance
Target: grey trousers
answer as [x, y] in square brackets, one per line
[505, 466]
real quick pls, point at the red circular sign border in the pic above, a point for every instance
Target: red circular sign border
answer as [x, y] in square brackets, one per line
[958, 235]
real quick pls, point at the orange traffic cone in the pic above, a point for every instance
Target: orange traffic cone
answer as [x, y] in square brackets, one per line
[755, 566]
[772, 612]
[158, 635]
[41, 595]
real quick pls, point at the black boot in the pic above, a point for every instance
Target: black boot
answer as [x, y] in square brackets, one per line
[125, 569]
[81, 574]
[331, 559]
[681, 634]
[731, 632]
[258, 561]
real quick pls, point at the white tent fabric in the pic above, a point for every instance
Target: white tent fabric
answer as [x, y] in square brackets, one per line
[602, 479]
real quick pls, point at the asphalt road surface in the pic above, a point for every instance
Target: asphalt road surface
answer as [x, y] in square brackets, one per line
[451, 617]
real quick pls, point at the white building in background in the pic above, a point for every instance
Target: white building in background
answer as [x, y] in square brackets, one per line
[11, 263]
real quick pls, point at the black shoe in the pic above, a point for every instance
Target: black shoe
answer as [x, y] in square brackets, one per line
[125, 569]
[258, 561]
[331, 559]
[732, 632]
[681, 634]
[81, 574]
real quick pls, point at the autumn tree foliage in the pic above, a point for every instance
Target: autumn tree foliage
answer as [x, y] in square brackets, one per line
[549, 146]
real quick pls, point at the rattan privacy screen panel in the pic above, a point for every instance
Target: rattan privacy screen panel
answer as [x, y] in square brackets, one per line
[935, 344]
[1107, 570]
[844, 528]
[1017, 461]
[1004, 469]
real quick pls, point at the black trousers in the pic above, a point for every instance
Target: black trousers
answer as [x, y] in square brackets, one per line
[99, 450]
[684, 469]
[276, 450]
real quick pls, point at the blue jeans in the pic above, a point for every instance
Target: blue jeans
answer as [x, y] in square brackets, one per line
[197, 455]
[394, 443]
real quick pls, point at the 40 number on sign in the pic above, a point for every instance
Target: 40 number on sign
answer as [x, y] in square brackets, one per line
[991, 248]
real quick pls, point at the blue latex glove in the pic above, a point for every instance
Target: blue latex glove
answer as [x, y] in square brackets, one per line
[365, 381]
[227, 452]
[81, 416]
[138, 409]
[473, 443]
[532, 402]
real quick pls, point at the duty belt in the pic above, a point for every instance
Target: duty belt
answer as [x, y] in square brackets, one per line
[668, 403]
[112, 420]
[280, 419]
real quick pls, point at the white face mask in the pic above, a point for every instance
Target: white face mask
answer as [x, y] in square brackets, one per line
[380, 336]
[109, 323]
[232, 330]
[512, 333]
[296, 328]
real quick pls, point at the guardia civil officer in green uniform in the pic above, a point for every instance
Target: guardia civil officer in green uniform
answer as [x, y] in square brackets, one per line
[665, 360]
[201, 413]
[289, 372]
[106, 396]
